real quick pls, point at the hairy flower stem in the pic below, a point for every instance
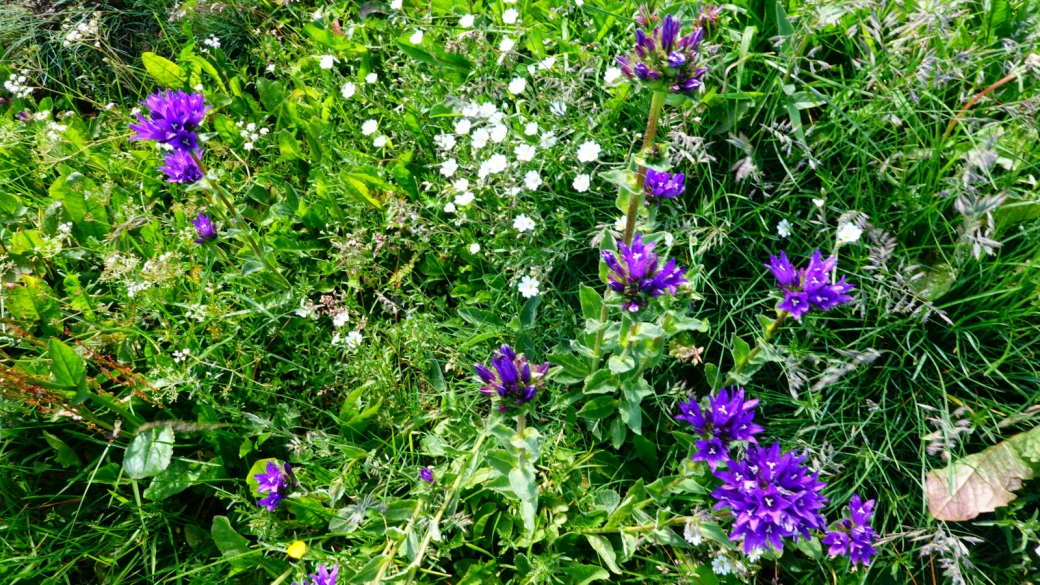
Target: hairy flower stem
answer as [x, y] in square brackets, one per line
[769, 333]
[635, 200]
[246, 230]
[520, 427]
[448, 499]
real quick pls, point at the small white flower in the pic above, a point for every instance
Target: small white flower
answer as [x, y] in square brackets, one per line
[558, 108]
[474, 248]
[513, 191]
[379, 142]
[471, 110]
[396, 4]
[783, 228]
[581, 183]
[531, 129]
[668, 239]
[348, 90]
[463, 126]
[326, 61]
[547, 63]
[449, 207]
[532, 180]
[445, 141]
[487, 109]
[270, 68]
[721, 566]
[818, 202]
[517, 85]
[579, 3]
[466, 21]
[531, 69]
[620, 223]
[506, 45]
[524, 152]
[848, 233]
[510, 16]
[461, 185]
[248, 146]
[369, 127]
[371, 78]
[480, 138]
[354, 338]
[498, 133]
[528, 287]
[198, 87]
[449, 167]
[340, 319]
[416, 38]
[612, 74]
[464, 199]
[588, 151]
[522, 223]
[497, 163]
[548, 140]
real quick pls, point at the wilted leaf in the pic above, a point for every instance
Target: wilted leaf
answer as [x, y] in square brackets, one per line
[984, 481]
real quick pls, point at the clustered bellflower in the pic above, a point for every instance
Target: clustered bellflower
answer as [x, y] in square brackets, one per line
[772, 496]
[635, 274]
[513, 380]
[663, 59]
[728, 418]
[853, 537]
[276, 483]
[173, 119]
[324, 576]
[204, 229]
[663, 185]
[426, 474]
[810, 287]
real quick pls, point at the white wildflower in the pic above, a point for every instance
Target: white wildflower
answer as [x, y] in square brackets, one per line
[354, 338]
[581, 183]
[474, 248]
[517, 85]
[498, 133]
[510, 16]
[326, 61]
[588, 151]
[462, 127]
[548, 140]
[340, 319]
[506, 45]
[524, 152]
[528, 287]
[445, 141]
[416, 38]
[532, 180]
[466, 21]
[848, 233]
[449, 167]
[449, 207]
[461, 185]
[611, 75]
[531, 129]
[783, 228]
[522, 223]
[348, 90]
[464, 199]
[371, 78]
[369, 127]
[380, 141]
[396, 4]
[480, 138]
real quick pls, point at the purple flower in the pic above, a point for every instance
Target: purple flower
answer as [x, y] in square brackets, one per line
[324, 576]
[513, 380]
[204, 228]
[663, 58]
[853, 537]
[809, 287]
[772, 496]
[728, 418]
[664, 184]
[635, 275]
[181, 167]
[24, 117]
[276, 483]
[173, 118]
[426, 474]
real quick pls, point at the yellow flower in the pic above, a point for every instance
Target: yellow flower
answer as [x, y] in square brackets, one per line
[297, 549]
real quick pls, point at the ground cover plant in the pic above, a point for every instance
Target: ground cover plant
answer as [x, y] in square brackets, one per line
[519, 292]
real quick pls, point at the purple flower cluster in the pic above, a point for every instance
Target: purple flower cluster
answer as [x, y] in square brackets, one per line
[426, 474]
[204, 229]
[853, 536]
[728, 418]
[635, 275]
[276, 483]
[174, 117]
[810, 287]
[663, 185]
[513, 380]
[324, 576]
[664, 59]
[772, 495]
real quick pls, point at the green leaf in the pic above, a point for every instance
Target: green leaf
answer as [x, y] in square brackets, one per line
[601, 382]
[289, 146]
[605, 551]
[620, 364]
[632, 415]
[618, 432]
[231, 544]
[574, 367]
[529, 313]
[34, 302]
[67, 368]
[599, 407]
[740, 351]
[272, 96]
[368, 572]
[524, 484]
[65, 455]
[585, 574]
[480, 317]
[165, 72]
[149, 453]
[437, 56]
[713, 375]
[591, 302]
[176, 478]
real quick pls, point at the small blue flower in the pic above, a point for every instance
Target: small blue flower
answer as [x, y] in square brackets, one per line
[809, 287]
[204, 228]
[635, 274]
[513, 380]
[181, 167]
[426, 474]
[277, 482]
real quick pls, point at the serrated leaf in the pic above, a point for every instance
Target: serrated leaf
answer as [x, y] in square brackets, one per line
[984, 481]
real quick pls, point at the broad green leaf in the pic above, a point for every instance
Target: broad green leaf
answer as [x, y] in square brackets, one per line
[433, 55]
[599, 407]
[176, 478]
[585, 574]
[149, 453]
[740, 350]
[620, 364]
[632, 415]
[33, 301]
[605, 551]
[65, 455]
[591, 302]
[165, 72]
[984, 481]
[67, 368]
[480, 317]
[231, 544]
[601, 382]
[576, 368]
[529, 314]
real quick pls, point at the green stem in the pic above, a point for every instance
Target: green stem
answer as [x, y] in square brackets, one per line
[597, 349]
[635, 200]
[770, 332]
[520, 427]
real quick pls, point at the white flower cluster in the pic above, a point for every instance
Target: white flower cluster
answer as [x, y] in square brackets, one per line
[211, 43]
[181, 355]
[16, 85]
[83, 31]
[251, 133]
